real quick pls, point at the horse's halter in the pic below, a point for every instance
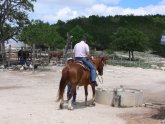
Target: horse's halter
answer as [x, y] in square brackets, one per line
[100, 67]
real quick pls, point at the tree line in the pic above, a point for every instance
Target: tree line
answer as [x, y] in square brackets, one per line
[127, 33]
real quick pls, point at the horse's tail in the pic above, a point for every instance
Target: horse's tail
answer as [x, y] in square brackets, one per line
[63, 83]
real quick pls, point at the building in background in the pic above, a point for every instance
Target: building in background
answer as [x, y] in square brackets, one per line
[15, 46]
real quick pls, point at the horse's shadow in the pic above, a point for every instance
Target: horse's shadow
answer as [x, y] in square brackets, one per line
[79, 105]
[159, 115]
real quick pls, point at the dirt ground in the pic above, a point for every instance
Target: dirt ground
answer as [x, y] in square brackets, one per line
[30, 98]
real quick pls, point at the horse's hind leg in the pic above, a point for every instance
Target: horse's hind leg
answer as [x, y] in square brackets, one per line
[62, 97]
[86, 95]
[62, 103]
[73, 88]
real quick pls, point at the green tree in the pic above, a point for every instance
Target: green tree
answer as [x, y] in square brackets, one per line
[13, 17]
[129, 40]
[77, 32]
[61, 28]
[41, 33]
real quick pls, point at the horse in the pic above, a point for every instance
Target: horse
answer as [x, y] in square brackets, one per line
[78, 75]
[56, 54]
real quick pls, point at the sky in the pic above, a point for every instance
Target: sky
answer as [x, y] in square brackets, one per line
[53, 10]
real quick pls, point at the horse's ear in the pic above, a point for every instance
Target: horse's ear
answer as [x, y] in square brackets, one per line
[105, 58]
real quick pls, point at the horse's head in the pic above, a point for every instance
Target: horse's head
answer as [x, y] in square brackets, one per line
[99, 63]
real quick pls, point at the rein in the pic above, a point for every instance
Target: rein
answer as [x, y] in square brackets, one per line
[101, 81]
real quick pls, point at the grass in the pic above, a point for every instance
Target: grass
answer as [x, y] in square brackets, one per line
[142, 59]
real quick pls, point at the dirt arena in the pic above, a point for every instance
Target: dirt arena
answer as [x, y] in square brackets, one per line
[30, 98]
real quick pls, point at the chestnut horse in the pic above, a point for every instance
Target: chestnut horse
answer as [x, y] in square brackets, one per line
[78, 75]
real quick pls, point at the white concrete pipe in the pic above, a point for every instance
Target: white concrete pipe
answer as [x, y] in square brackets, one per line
[122, 97]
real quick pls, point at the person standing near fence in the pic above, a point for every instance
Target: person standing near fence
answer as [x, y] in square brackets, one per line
[21, 56]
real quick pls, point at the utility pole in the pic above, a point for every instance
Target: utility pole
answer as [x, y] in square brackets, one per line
[33, 55]
[69, 37]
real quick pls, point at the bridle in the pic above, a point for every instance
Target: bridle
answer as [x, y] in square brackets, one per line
[101, 65]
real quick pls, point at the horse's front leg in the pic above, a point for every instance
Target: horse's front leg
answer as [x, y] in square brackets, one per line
[86, 94]
[93, 90]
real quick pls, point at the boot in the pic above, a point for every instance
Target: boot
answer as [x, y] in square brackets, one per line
[94, 83]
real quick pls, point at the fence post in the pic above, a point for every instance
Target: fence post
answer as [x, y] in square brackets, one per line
[9, 55]
[3, 53]
[33, 56]
[121, 59]
[113, 59]
[148, 60]
[139, 62]
[1, 59]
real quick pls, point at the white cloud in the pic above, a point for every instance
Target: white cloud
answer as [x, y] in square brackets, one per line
[79, 2]
[112, 2]
[104, 10]
[148, 10]
[69, 2]
[50, 11]
[63, 14]
[162, 2]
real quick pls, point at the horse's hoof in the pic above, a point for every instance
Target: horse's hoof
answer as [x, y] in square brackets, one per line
[70, 108]
[74, 103]
[93, 104]
[61, 106]
[86, 104]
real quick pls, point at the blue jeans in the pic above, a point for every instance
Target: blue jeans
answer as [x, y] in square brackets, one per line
[92, 68]
[74, 94]
[22, 61]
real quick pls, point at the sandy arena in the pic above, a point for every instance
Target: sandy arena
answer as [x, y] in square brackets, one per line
[30, 98]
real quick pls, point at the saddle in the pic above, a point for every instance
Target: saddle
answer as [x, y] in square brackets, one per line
[82, 64]
[71, 60]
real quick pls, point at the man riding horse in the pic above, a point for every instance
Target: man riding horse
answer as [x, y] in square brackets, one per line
[81, 51]
[77, 75]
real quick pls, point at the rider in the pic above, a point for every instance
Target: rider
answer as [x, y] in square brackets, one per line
[81, 52]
